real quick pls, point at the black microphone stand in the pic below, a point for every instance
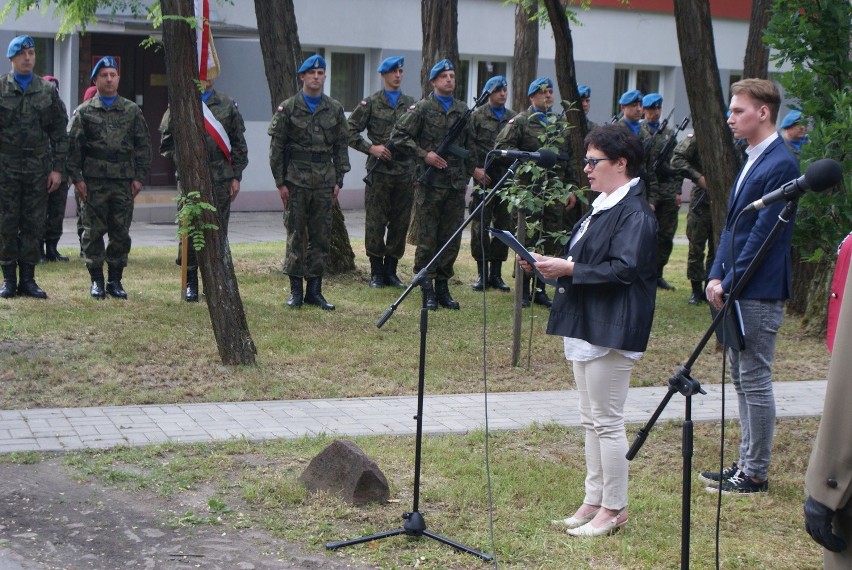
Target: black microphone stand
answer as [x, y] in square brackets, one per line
[415, 524]
[682, 382]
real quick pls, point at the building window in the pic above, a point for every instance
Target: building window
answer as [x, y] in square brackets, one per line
[472, 75]
[629, 78]
[733, 78]
[44, 56]
[346, 75]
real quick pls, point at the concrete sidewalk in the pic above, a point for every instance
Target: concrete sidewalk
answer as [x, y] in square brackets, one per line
[77, 428]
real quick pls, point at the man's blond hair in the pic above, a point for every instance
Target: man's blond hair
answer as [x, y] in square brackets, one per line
[761, 90]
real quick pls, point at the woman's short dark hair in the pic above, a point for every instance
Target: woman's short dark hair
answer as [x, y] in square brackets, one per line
[617, 141]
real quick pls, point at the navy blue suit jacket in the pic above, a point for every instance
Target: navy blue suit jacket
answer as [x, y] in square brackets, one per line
[773, 279]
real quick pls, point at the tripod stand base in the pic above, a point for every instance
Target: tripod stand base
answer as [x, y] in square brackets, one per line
[414, 526]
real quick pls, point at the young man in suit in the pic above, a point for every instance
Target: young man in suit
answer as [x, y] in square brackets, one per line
[754, 108]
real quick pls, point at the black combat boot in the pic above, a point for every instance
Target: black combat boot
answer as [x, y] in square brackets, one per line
[43, 253]
[50, 251]
[377, 273]
[495, 276]
[391, 278]
[10, 286]
[314, 294]
[26, 284]
[297, 293]
[697, 293]
[525, 292]
[113, 284]
[540, 297]
[481, 282]
[191, 293]
[429, 300]
[97, 275]
[663, 284]
[442, 294]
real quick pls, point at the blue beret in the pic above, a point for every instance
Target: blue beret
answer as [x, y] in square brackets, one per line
[791, 119]
[19, 43]
[314, 62]
[584, 91]
[652, 100]
[630, 97]
[496, 83]
[443, 65]
[391, 63]
[105, 61]
[539, 84]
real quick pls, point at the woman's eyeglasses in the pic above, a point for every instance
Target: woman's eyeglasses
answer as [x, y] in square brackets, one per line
[593, 162]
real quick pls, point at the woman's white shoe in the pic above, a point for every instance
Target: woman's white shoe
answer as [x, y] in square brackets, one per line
[574, 522]
[608, 527]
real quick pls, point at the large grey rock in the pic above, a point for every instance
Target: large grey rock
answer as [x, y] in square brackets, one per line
[344, 469]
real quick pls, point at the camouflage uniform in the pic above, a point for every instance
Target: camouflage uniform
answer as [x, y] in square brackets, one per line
[309, 155]
[110, 148]
[662, 192]
[33, 143]
[439, 206]
[389, 196]
[699, 223]
[486, 126]
[54, 217]
[223, 172]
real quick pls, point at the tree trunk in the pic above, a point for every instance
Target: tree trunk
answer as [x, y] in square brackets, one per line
[566, 77]
[440, 22]
[756, 61]
[526, 56]
[223, 295]
[282, 56]
[707, 104]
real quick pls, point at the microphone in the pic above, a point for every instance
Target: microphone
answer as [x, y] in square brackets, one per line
[819, 176]
[542, 156]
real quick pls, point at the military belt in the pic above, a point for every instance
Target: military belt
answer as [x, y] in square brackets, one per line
[108, 155]
[18, 151]
[311, 156]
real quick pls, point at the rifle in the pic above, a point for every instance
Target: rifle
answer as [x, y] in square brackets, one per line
[665, 123]
[388, 145]
[667, 148]
[615, 118]
[448, 145]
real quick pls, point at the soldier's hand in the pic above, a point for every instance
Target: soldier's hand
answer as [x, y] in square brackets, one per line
[82, 191]
[336, 191]
[702, 183]
[54, 179]
[284, 192]
[434, 160]
[235, 189]
[135, 188]
[381, 152]
[678, 200]
[571, 201]
[480, 176]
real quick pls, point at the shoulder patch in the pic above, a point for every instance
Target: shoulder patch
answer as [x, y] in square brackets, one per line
[363, 102]
[412, 107]
[512, 120]
[690, 135]
[279, 109]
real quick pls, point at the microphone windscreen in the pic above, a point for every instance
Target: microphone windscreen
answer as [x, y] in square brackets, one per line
[823, 174]
[547, 158]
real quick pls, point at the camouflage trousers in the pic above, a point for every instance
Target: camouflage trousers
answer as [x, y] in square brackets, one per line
[222, 201]
[439, 212]
[308, 223]
[108, 210]
[552, 229]
[496, 215]
[699, 232]
[387, 202]
[23, 202]
[55, 213]
[665, 211]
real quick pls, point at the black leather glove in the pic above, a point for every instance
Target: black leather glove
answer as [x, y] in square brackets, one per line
[818, 524]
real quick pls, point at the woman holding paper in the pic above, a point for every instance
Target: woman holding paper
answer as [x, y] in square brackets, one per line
[604, 307]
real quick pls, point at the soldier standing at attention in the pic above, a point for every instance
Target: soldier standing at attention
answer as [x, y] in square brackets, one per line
[55, 211]
[526, 132]
[390, 192]
[487, 121]
[439, 204]
[631, 111]
[664, 193]
[585, 94]
[227, 157]
[33, 147]
[109, 158]
[308, 156]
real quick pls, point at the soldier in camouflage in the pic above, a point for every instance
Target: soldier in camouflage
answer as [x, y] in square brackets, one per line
[33, 148]
[585, 94]
[664, 193]
[227, 163]
[55, 212]
[527, 132]
[110, 156]
[308, 156]
[487, 122]
[390, 191]
[439, 204]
